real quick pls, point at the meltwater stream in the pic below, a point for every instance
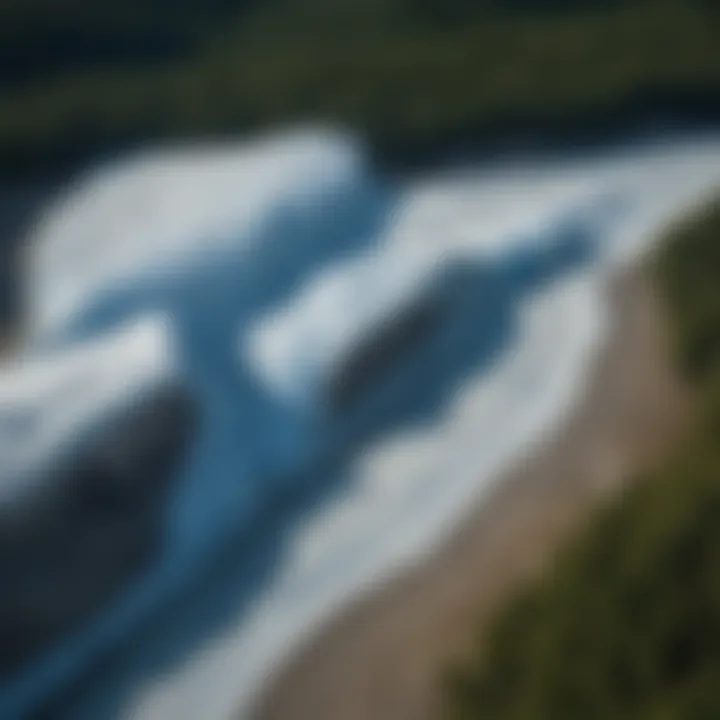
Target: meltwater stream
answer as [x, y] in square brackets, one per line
[365, 354]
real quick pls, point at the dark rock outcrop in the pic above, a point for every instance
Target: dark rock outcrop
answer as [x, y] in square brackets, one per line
[68, 549]
[402, 332]
[380, 350]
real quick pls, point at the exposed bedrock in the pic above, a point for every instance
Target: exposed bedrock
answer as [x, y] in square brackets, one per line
[382, 348]
[93, 523]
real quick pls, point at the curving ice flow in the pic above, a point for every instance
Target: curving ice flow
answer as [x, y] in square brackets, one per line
[279, 266]
[150, 215]
[294, 348]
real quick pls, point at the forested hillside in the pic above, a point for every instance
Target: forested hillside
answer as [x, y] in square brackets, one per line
[82, 75]
[43, 39]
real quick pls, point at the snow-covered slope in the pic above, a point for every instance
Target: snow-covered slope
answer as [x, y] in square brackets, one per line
[54, 404]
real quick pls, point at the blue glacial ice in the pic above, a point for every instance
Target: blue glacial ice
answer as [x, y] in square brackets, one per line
[270, 264]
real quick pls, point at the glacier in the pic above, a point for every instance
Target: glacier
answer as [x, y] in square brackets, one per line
[253, 272]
